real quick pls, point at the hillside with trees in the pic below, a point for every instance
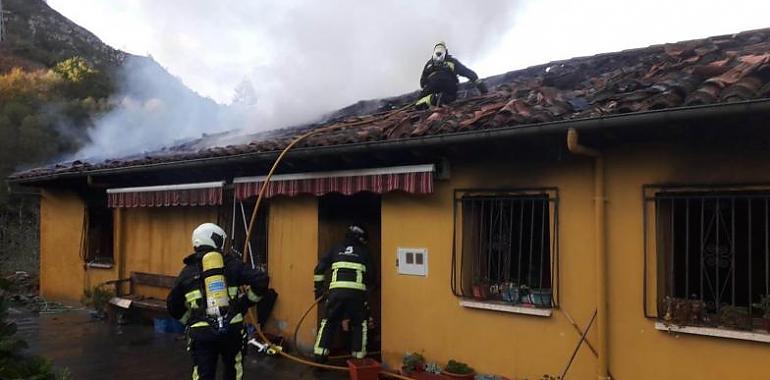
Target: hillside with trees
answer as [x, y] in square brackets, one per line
[56, 80]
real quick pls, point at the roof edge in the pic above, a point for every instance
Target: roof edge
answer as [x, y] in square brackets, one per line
[610, 121]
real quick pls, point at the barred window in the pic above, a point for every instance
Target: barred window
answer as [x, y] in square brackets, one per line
[241, 217]
[507, 246]
[98, 231]
[713, 257]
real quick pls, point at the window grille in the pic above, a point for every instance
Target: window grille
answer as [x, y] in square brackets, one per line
[507, 246]
[711, 254]
[98, 231]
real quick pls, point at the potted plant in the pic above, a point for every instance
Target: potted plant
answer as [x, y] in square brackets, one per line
[412, 363]
[458, 370]
[480, 290]
[764, 305]
[734, 317]
[431, 371]
[540, 297]
[698, 314]
[684, 312]
[510, 293]
[97, 298]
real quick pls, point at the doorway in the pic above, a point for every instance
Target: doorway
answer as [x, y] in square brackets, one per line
[335, 213]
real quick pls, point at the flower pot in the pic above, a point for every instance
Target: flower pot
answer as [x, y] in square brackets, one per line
[457, 376]
[429, 376]
[511, 294]
[480, 292]
[363, 369]
[540, 298]
[411, 373]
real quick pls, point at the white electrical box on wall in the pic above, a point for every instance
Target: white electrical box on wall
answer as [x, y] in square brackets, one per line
[412, 261]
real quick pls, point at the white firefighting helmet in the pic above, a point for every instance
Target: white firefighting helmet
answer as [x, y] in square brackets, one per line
[439, 52]
[209, 235]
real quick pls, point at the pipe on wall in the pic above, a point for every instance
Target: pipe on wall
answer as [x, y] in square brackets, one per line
[600, 237]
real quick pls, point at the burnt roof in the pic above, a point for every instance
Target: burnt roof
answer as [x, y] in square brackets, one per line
[701, 72]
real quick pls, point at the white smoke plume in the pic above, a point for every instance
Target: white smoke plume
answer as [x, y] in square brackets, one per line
[300, 58]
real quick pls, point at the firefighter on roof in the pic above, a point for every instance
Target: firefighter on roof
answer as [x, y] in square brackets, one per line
[207, 299]
[352, 275]
[439, 78]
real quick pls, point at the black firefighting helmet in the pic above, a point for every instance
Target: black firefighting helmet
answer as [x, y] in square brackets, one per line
[357, 232]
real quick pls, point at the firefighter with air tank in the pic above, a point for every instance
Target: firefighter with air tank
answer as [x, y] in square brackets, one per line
[208, 299]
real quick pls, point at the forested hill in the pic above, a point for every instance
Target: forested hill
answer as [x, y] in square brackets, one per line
[56, 80]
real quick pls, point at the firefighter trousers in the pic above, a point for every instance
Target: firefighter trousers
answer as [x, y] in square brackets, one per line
[206, 349]
[340, 304]
[438, 91]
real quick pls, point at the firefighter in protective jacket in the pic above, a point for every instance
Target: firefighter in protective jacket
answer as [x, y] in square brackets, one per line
[207, 299]
[352, 275]
[439, 78]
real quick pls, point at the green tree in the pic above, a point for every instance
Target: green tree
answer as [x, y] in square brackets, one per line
[75, 69]
[81, 79]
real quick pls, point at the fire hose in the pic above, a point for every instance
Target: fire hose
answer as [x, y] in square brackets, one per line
[251, 315]
[302, 319]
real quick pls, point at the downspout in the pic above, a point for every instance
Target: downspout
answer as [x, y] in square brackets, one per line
[600, 236]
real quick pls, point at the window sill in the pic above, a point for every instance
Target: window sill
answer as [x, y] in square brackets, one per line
[715, 332]
[100, 265]
[495, 306]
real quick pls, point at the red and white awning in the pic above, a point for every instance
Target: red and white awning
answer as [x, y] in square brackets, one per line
[188, 194]
[415, 179]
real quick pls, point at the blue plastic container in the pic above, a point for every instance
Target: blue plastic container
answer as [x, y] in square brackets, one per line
[174, 326]
[167, 325]
[540, 298]
[161, 325]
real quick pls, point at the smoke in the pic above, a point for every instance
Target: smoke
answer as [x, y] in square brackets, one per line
[154, 109]
[291, 61]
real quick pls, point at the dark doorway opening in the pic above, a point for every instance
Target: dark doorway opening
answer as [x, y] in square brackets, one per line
[335, 213]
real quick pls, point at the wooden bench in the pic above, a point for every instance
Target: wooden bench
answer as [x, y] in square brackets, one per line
[131, 300]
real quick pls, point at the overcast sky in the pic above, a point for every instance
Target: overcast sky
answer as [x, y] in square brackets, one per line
[352, 49]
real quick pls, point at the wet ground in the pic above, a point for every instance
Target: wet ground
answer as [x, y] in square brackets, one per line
[93, 349]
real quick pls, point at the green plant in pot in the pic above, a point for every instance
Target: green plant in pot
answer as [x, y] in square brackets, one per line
[413, 362]
[764, 305]
[97, 298]
[458, 370]
[734, 317]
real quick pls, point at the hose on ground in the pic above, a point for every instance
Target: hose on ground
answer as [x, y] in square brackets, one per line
[295, 340]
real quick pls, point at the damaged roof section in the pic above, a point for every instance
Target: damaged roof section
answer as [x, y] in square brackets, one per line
[701, 72]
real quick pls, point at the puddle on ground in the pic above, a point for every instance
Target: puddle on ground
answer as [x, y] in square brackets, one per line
[94, 349]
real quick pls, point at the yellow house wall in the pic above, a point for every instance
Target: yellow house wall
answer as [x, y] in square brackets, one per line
[420, 314]
[293, 252]
[638, 351]
[156, 239]
[151, 240]
[61, 225]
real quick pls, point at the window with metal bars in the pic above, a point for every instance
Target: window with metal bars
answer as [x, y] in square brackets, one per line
[713, 257]
[507, 246]
[99, 232]
[256, 250]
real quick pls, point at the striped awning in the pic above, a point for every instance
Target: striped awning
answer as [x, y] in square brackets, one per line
[415, 179]
[188, 194]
